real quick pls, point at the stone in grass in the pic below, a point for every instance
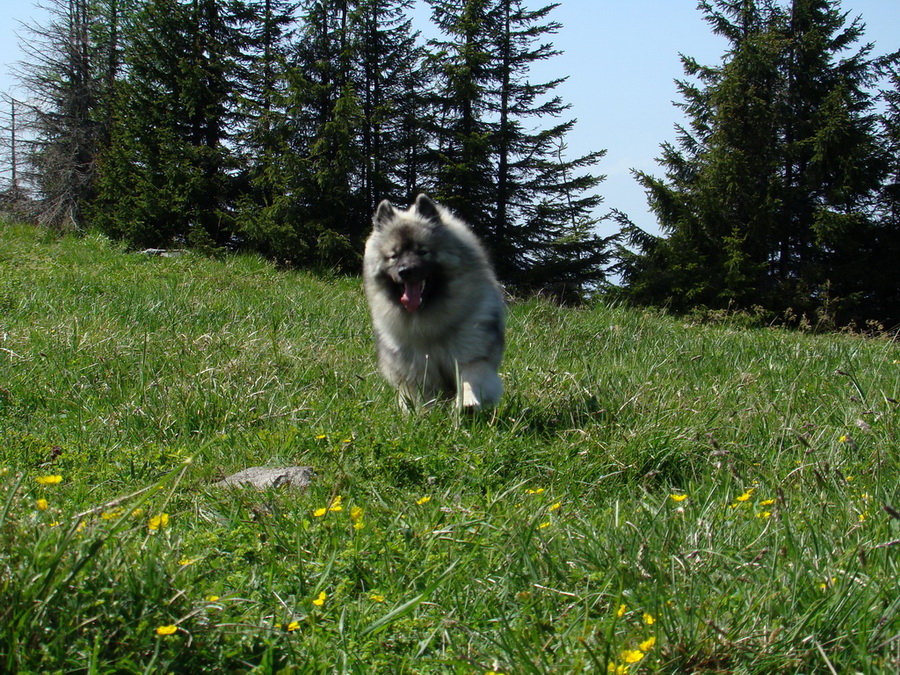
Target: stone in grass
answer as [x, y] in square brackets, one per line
[262, 478]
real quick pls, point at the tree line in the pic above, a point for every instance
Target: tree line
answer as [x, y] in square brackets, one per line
[278, 125]
[781, 193]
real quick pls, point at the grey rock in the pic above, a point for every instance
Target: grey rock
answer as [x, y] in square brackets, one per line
[262, 478]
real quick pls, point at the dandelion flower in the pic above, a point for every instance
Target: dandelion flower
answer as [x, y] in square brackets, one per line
[158, 522]
[376, 597]
[744, 497]
[318, 513]
[556, 506]
[648, 619]
[166, 630]
[49, 480]
[632, 655]
[678, 498]
[318, 602]
[621, 611]
[647, 644]
[292, 626]
[42, 505]
[423, 500]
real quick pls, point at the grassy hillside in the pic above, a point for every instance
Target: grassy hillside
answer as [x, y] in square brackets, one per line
[651, 496]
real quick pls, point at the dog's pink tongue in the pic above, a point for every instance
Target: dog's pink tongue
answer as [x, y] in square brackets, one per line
[412, 296]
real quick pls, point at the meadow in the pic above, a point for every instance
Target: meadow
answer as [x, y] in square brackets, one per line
[653, 495]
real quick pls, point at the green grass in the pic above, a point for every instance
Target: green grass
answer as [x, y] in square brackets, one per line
[549, 540]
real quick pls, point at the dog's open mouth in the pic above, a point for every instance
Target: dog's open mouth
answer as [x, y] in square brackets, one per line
[412, 295]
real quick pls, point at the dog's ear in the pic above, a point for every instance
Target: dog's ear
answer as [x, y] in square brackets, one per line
[427, 208]
[383, 214]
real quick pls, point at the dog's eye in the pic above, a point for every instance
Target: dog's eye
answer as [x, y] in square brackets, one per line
[424, 251]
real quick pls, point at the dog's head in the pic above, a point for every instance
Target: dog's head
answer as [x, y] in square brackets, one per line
[404, 250]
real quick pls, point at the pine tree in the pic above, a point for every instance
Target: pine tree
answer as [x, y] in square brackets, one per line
[768, 192]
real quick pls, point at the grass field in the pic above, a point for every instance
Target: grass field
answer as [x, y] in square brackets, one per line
[652, 495]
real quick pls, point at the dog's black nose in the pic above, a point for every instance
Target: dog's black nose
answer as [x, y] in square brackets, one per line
[408, 272]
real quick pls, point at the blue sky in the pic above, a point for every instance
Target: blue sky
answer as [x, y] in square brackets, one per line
[621, 59]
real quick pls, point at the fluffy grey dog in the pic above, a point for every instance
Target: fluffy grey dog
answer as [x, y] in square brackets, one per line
[436, 306]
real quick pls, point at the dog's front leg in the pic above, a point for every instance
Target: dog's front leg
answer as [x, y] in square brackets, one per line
[479, 385]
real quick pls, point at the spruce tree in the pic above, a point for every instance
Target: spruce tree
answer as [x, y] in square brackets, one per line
[168, 171]
[768, 192]
[501, 167]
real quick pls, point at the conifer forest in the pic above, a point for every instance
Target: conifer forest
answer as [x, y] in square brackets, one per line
[277, 126]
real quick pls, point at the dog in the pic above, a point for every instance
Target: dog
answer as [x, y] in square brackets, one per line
[437, 309]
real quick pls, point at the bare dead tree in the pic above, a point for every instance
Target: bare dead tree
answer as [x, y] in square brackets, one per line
[69, 62]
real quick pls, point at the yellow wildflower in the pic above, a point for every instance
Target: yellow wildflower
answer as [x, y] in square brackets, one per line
[166, 630]
[647, 644]
[764, 514]
[49, 480]
[212, 598]
[42, 505]
[111, 515]
[318, 602]
[632, 655]
[621, 611]
[356, 513]
[678, 498]
[544, 525]
[375, 597]
[648, 619]
[184, 562]
[321, 437]
[158, 522]
[336, 504]
[556, 506]
[318, 513]
[423, 500]
[767, 502]
[292, 626]
[844, 439]
[534, 492]
[744, 497]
